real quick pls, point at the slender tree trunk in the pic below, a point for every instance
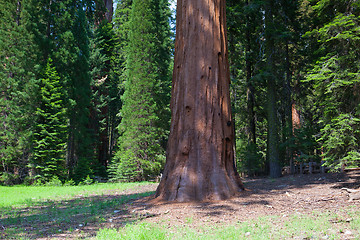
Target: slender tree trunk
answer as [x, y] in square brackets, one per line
[288, 108]
[273, 137]
[200, 155]
[250, 87]
[103, 138]
[250, 96]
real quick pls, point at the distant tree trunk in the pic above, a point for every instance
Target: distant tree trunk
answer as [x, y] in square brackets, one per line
[288, 109]
[200, 154]
[273, 137]
[250, 95]
[109, 9]
[103, 147]
[102, 143]
[250, 87]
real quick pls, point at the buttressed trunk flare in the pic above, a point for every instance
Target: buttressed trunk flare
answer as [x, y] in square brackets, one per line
[200, 163]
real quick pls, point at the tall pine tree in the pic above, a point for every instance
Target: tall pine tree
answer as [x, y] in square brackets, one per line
[49, 153]
[147, 58]
[61, 32]
[17, 87]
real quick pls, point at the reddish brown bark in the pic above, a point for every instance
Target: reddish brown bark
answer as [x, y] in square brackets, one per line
[296, 124]
[200, 155]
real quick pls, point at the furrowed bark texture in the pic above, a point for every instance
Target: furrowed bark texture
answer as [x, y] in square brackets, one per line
[200, 154]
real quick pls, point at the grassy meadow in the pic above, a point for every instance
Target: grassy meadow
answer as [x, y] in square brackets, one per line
[31, 212]
[83, 212]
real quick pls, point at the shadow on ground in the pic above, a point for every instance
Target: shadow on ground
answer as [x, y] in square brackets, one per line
[302, 192]
[80, 217]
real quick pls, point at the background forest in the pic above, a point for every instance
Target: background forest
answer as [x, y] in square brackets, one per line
[85, 90]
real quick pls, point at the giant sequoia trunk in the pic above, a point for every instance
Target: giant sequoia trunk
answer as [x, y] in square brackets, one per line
[200, 155]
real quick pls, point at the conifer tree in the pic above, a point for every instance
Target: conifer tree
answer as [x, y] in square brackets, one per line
[334, 75]
[244, 21]
[50, 128]
[141, 131]
[16, 91]
[81, 138]
[105, 95]
[200, 154]
[61, 32]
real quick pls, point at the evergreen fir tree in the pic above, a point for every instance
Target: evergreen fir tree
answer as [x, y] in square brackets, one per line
[141, 130]
[244, 21]
[50, 128]
[334, 75]
[16, 91]
[61, 32]
[105, 95]
[82, 151]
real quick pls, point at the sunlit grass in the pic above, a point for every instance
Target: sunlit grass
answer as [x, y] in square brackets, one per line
[28, 195]
[37, 211]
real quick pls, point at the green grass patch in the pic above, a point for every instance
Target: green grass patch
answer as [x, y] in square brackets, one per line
[28, 195]
[315, 226]
[33, 211]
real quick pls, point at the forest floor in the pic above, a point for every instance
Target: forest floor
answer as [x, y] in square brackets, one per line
[284, 196]
[307, 194]
[310, 195]
[301, 194]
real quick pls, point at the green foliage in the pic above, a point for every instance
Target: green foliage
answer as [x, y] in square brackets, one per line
[50, 128]
[65, 118]
[252, 160]
[340, 141]
[126, 167]
[87, 181]
[335, 77]
[105, 100]
[81, 155]
[17, 89]
[145, 100]
[7, 179]
[54, 182]
[303, 144]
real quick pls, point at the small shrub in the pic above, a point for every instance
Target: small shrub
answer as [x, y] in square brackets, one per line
[7, 179]
[87, 181]
[55, 182]
[69, 183]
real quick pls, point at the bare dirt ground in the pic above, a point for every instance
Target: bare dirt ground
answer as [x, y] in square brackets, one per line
[286, 196]
[281, 197]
